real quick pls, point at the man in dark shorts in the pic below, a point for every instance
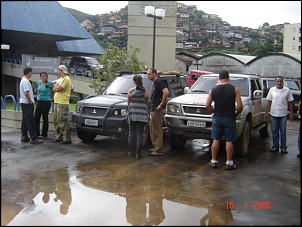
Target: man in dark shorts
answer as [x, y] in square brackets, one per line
[224, 96]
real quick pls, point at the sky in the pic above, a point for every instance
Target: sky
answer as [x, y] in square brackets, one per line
[237, 13]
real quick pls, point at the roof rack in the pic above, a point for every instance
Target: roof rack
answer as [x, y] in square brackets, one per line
[177, 73]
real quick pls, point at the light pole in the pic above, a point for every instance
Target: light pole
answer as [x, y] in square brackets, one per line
[151, 11]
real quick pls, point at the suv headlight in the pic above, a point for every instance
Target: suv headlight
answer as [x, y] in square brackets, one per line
[121, 112]
[78, 108]
[173, 109]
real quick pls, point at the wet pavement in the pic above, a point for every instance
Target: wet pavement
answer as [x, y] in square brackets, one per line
[97, 183]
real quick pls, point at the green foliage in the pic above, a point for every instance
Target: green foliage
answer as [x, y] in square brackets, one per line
[113, 61]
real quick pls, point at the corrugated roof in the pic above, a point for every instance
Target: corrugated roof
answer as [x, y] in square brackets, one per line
[46, 17]
[87, 46]
[45, 27]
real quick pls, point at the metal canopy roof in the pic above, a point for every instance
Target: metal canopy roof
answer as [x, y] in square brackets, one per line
[28, 26]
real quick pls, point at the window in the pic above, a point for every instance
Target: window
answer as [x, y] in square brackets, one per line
[294, 38]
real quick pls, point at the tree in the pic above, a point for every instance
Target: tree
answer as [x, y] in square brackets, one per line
[114, 61]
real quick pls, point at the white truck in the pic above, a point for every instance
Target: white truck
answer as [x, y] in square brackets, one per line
[187, 117]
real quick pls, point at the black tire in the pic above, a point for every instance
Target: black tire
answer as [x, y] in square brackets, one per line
[85, 136]
[176, 141]
[265, 132]
[89, 73]
[242, 143]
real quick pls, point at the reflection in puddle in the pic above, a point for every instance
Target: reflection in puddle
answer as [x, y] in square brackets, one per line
[112, 192]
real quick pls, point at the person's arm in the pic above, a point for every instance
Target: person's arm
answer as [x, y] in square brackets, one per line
[268, 107]
[209, 102]
[128, 98]
[26, 93]
[163, 99]
[57, 88]
[238, 101]
[291, 114]
[147, 97]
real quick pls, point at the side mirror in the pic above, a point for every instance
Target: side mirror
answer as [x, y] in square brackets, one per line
[257, 94]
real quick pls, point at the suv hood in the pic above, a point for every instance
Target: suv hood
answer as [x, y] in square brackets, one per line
[195, 99]
[105, 100]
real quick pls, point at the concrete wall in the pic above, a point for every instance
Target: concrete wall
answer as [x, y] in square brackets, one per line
[13, 119]
[140, 33]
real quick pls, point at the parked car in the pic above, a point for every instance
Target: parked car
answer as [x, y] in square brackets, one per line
[293, 85]
[195, 74]
[187, 117]
[83, 65]
[106, 114]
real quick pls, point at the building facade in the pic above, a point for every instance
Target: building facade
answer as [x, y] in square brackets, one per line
[292, 39]
[140, 33]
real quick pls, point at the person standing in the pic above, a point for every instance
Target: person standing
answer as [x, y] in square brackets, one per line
[138, 117]
[224, 96]
[299, 135]
[159, 97]
[280, 99]
[43, 104]
[62, 90]
[27, 105]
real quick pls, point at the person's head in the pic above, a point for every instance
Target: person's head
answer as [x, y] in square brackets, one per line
[44, 76]
[138, 80]
[224, 75]
[152, 74]
[62, 70]
[279, 82]
[27, 71]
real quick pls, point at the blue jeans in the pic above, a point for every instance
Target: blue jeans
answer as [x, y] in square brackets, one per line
[28, 121]
[279, 125]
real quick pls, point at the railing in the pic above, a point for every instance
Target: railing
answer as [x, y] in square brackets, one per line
[16, 105]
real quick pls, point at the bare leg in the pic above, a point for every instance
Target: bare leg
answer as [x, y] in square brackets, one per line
[229, 150]
[214, 149]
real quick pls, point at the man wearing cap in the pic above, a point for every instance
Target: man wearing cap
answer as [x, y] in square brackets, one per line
[62, 89]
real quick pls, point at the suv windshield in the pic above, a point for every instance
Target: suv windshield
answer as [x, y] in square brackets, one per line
[92, 61]
[121, 85]
[205, 83]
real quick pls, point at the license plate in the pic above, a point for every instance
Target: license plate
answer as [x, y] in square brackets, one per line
[91, 122]
[196, 124]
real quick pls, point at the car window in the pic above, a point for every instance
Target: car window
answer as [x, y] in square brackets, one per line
[92, 61]
[205, 83]
[121, 85]
[291, 85]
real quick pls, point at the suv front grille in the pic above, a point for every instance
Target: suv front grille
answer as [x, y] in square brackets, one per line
[94, 111]
[196, 110]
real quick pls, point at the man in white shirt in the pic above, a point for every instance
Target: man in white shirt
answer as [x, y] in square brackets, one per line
[27, 105]
[280, 99]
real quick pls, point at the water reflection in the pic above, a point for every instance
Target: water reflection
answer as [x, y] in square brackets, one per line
[157, 197]
[115, 192]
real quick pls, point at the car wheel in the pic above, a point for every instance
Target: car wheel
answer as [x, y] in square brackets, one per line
[85, 136]
[176, 141]
[89, 73]
[242, 143]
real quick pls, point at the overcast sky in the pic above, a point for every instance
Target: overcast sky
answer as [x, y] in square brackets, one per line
[238, 13]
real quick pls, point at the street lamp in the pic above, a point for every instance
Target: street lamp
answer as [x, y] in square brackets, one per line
[151, 11]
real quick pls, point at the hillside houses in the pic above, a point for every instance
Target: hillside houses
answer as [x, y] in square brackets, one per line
[193, 26]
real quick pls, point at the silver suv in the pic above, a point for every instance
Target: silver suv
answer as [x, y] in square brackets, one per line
[187, 117]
